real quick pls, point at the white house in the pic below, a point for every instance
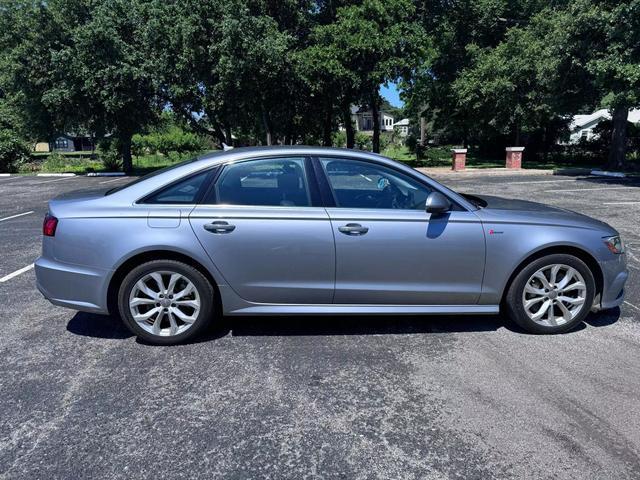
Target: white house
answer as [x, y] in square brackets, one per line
[581, 126]
[362, 119]
[402, 127]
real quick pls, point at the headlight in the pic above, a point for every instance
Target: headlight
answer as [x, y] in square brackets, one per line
[614, 244]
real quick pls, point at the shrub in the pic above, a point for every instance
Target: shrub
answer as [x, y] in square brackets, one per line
[13, 151]
[111, 160]
[54, 163]
[363, 141]
[340, 138]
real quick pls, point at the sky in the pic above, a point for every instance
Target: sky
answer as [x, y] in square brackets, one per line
[390, 92]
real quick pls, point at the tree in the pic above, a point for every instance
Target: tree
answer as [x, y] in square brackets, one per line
[231, 71]
[370, 43]
[504, 89]
[459, 32]
[79, 65]
[596, 43]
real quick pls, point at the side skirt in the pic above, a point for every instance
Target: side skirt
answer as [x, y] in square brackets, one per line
[281, 309]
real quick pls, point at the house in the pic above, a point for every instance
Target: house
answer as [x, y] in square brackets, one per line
[581, 126]
[402, 127]
[362, 119]
[66, 143]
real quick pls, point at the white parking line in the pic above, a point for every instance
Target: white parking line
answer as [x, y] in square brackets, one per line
[15, 216]
[112, 180]
[632, 305]
[621, 203]
[587, 189]
[544, 181]
[16, 273]
[56, 180]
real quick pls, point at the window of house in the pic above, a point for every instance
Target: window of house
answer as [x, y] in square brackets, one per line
[61, 143]
[267, 182]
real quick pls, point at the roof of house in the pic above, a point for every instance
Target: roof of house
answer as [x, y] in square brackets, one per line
[402, 123]
[579, 121]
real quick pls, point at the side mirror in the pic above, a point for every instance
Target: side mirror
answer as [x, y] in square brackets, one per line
[437, 203]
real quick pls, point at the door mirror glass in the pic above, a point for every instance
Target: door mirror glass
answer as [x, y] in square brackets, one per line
[437, 203]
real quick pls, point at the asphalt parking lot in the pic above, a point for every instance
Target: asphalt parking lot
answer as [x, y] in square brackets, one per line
[328, 397]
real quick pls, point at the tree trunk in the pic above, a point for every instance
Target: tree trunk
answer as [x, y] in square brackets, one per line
[618, 148]
[348, 124]
[267, 127]
[227, 134]
[423, 131]
[125, 151]
[375, 112]
[327, 125]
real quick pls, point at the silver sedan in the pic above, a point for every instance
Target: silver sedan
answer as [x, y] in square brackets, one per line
[306, 231]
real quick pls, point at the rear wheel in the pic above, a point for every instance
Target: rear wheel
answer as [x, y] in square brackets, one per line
[552, 294]
[165, 301]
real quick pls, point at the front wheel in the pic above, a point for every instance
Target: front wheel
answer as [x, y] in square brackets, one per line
[552, 294]
[165, 301]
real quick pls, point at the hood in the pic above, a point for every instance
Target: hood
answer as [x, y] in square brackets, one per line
[504, 210]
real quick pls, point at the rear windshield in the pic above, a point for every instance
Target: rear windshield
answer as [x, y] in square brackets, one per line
[150, 175]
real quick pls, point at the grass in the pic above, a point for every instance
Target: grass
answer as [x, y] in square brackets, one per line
[84, 162]
[441, 157]
[437, 157]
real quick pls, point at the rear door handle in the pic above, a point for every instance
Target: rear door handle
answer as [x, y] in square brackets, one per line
[353, 229]
[219, 227]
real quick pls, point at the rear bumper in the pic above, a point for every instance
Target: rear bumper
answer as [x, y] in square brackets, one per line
[72, 286]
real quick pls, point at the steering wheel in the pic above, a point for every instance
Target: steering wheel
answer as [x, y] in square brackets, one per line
[367, 199]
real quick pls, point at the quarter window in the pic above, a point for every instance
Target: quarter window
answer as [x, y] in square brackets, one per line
[183, 192]
[358, 184]
[268, 182]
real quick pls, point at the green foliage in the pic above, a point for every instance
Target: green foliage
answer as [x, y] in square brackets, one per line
[111, 161]
[481, 72]
[13, 151]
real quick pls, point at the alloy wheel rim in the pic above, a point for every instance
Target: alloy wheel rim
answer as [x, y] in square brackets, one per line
[554, 295]
[164, 303]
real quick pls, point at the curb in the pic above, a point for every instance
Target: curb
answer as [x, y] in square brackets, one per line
[486, 171]
[604, 173]
[106, 174]
[5, 174]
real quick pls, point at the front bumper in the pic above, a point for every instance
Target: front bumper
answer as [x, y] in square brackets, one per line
[615, 275]
[73, 286]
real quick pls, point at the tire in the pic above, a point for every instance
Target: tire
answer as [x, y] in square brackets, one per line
[171, 319]
[528, 294]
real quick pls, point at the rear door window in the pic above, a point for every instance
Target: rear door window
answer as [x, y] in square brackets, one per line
[264, 182]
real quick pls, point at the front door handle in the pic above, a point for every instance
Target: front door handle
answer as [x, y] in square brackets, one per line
[353, 229]
[219, 227]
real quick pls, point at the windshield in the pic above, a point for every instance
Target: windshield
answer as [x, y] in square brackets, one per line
[150, 175]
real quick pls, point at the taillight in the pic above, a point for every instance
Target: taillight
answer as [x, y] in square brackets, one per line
[49, 225]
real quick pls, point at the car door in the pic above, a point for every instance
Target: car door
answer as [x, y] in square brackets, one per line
[264, 228]
[389, 250]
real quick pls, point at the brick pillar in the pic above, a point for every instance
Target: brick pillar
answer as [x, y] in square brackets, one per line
[458, 158]
[514, 157]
